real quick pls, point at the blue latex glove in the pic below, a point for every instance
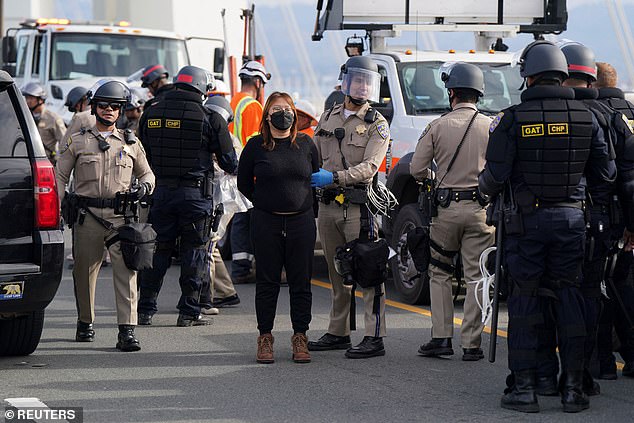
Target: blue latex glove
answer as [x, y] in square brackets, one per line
[321, 178]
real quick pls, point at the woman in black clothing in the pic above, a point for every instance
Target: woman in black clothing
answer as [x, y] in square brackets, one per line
[274, 173]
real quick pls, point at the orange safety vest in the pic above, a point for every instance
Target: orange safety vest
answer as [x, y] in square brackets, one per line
[247, 113]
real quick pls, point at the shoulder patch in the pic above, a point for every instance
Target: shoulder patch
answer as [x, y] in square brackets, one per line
[496, 121]
[67, 146]
[383, 130]
[629, 123]
[154, 123]
[426, 130]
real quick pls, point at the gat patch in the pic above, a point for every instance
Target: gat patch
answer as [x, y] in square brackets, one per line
[383, 130]
[535, 130]
[154, 123]
[11, 290]
[557, 129]
[172, 123]
[496, 121]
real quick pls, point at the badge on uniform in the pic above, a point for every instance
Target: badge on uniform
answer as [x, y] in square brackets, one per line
[496, 121]
[360, 129]
[383, 130]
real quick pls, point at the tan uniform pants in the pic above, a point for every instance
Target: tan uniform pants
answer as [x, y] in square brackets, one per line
[88, 245]
[221, 284]
[461, 226]
[333, 232]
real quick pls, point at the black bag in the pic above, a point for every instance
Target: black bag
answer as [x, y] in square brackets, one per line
[370, 262]
[138, 241]
[418, 246]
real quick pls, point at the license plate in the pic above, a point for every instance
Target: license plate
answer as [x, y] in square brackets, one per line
[13, 290]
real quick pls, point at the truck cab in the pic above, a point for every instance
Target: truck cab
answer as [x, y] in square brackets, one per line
[61, 55]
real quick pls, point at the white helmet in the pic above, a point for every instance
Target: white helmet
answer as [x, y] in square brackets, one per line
[253, 69]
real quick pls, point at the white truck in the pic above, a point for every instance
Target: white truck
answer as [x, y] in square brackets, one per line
[61, 54]
[412, 93]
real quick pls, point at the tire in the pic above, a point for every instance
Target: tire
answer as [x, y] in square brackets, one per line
[21, 335]
[412, 286]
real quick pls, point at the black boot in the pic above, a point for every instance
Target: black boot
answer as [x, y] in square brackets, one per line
[84, 333]
[546, 386]
[330, 342]
[435, 347]
[572, 396]
[590, 386]
[126, 339]
[371, 346]
[522, 396]
[144, 319]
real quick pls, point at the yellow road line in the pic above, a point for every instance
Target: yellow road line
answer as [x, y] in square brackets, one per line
[424, 312]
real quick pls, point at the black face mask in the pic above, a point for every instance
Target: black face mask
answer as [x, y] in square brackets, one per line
[282, 120]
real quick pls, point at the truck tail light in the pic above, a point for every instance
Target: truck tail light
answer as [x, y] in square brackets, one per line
[46, 198]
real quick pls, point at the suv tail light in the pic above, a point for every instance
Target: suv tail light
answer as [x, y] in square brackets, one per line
[46, 198]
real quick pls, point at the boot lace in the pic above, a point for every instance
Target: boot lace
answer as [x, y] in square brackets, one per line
[299, 344]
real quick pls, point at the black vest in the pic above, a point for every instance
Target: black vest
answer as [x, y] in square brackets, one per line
[174, 133]
[614, 98]
[553, 145]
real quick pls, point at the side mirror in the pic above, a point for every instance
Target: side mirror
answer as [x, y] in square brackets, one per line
[9, 50]
[57, 92]
[219, 60]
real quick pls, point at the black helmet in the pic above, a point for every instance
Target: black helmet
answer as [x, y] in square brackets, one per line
[110, 90]
[580, 60]
[74, 97]
[152, 73]
[542, 56]
[464, 75]
[195, 77]
[365, 68]
[34, 89]
[220, 105]
[335, 97]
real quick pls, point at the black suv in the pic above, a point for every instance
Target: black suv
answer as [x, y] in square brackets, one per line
[31, 242]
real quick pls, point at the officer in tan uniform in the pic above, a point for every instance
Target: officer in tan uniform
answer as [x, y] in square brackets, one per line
[50, 126]
[460, 224]
[104, 160]
[349, 161]
[77, 103]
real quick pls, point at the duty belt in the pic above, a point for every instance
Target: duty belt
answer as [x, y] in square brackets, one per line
[549, 205]
[471, 194]
[99, 203]
[180, 182]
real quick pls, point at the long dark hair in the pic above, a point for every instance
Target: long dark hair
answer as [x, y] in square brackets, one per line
[265, 129]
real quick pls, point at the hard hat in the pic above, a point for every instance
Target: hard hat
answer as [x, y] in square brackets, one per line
[463, 75]
[221, 106]
[152, 73]
[253, 69]
[74, 97]
[364, 68]
[34, 89]
[221, 88]
[109, 89]
[542, 56]
[580, 60]
[195, 77]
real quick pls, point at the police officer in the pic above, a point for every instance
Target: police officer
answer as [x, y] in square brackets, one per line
[50, 126]
[538, 152]
[132, 111]
[350, 161]
[155, 79]
[614, 311]
[104, 160]
[459, 139]
[181, 136]
[78, 104]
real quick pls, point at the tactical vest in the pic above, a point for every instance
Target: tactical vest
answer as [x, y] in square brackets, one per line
[174, 132]
[553, 145]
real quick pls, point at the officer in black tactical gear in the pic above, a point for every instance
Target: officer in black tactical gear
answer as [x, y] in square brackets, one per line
[180, 136]
[539, 154]
[618, 307]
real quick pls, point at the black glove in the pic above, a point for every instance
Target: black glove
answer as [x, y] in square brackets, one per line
[138, 191]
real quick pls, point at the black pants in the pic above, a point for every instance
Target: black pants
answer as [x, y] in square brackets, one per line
[283, 241]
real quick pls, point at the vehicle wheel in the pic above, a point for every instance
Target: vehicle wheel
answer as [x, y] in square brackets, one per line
[411, 284]
[20, 336]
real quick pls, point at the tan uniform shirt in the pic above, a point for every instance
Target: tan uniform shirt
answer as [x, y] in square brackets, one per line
[51, 128]
[363, 146]
[101, 174]
[440, 140]
[80, 120]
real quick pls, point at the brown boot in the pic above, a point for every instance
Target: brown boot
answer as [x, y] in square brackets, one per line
[300, 348]
[265, 349]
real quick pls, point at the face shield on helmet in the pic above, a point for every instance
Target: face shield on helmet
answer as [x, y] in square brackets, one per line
[361, 84]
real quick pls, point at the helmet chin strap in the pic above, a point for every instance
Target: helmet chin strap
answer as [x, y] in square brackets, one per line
[100, 119]
[39, 103]
[356, 101]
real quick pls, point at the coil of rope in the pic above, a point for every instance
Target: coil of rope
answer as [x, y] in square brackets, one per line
[381, 200]
[483, 287]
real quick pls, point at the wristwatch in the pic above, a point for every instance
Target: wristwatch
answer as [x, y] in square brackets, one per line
[335, 178]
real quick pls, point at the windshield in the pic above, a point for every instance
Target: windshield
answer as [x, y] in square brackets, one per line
[424, 92]
[88, 55]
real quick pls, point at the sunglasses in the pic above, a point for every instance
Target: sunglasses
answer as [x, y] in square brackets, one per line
[104, 105]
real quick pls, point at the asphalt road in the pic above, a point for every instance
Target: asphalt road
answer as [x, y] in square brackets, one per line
[205, 374]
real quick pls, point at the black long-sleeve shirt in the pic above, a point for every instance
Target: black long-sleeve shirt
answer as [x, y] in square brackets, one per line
[278, 180]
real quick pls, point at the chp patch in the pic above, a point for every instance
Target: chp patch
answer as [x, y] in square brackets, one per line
[425, 131]
[383, 130]
[629, 123]
[496, 121]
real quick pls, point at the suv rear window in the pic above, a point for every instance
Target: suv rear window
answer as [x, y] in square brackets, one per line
[12, 143]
